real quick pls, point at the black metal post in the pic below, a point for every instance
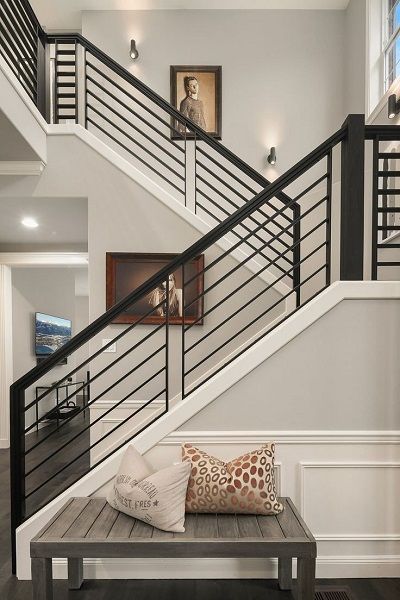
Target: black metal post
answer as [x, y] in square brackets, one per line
[328, 229]
[352, 200]
[41, 75]
[297, 253]
[17, 464]
[375, 197]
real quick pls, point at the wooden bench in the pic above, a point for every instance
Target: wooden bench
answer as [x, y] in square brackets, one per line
[90, 528]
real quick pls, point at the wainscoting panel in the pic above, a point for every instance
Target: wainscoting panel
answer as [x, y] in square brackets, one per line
[345, 483]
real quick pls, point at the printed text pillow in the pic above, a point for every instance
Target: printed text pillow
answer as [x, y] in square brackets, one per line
[244, 485]
[156, 498]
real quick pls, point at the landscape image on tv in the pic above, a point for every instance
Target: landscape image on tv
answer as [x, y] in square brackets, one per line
[50, 333]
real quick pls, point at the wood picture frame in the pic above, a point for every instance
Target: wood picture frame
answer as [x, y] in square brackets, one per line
[126, 271]
[205, 109]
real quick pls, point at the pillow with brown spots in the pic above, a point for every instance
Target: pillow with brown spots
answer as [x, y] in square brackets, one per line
[244, 485]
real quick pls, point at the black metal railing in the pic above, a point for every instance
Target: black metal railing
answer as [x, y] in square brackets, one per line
[95, 91]
[229, 297]
[385, 247]
[22, 46]
[279, 259]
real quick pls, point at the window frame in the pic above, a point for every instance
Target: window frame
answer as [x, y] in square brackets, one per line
[388, 41]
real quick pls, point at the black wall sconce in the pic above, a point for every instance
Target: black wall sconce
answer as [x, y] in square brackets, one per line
[272, 156]
[134, 52]
[393, 106]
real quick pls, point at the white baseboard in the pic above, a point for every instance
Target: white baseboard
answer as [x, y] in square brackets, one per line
[4, 443]
[220, 568]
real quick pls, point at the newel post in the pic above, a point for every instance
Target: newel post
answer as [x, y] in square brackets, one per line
[352, 200]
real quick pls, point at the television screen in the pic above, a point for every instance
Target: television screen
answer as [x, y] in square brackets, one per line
[50, 333]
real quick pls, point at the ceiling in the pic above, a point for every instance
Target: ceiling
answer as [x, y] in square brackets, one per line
[63, 224]
[65, 14]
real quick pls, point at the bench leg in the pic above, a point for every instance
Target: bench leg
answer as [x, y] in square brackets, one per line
[306, 578]
[285, 573]
[75, 573]
[42, 579]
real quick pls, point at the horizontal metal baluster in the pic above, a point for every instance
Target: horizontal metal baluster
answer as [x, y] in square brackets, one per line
[30, 71]
[81, 431]
[89, 120]
[227, 199]
[95, 444]
[93, 400]
[180, 162]
[248, 229]
[133, 112]
[121, 89]
[98, 352]
[118, 447]
[253, 321]
[252, 299]
[229, 187]
[254, 276]
[193, 388]
[219, 258]
[240, 181]
[19, 29]
[156, 158]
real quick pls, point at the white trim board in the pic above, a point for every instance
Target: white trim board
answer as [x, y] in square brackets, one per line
[21, 167]
[221, 568]
[43, 259]
[219, 383]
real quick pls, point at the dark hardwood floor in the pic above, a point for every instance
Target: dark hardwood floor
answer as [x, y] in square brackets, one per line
[12, 589]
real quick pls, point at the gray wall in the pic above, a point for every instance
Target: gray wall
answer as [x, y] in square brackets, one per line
[283, 70]
[340, 374]
[354, 65]
[47, 290]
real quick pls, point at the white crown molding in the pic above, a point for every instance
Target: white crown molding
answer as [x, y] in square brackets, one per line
[51, 259]
[21, 167]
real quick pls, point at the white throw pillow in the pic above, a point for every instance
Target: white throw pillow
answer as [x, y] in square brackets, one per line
[156, 498]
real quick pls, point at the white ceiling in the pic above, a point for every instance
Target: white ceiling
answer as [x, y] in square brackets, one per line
[62, 222]
[65, 14]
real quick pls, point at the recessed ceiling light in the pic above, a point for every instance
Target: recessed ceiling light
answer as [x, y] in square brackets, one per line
[30, 223]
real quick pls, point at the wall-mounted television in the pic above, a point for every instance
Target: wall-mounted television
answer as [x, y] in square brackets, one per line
[50, 333]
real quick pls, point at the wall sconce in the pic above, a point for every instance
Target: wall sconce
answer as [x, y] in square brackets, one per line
[272, 156]
[134, 53]
[393, 106]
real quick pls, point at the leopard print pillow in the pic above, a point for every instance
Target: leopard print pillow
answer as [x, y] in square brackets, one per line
[244, 485]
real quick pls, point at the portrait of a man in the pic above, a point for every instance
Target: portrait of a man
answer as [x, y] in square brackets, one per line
[196, 94]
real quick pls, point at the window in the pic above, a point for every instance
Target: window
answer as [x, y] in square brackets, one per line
[391, 37]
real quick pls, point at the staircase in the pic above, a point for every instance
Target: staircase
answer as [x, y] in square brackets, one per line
[286, 230]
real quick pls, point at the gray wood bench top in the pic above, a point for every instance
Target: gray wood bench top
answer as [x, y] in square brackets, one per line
[91, 528]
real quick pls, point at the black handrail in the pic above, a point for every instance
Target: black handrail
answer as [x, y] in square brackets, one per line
[194, 250]
[171, 110]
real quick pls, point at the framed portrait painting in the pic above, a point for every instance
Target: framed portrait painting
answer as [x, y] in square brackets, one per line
[196, 94]
[126, 271]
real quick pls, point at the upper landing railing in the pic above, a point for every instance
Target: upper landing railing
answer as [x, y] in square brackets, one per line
[71, 80]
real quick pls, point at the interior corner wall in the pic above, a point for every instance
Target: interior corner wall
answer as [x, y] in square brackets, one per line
[282, 70]
[47, 290]
[355, 57]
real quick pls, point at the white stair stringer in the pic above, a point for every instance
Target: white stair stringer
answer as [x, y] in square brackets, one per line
[209, 391]
[10, 87]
